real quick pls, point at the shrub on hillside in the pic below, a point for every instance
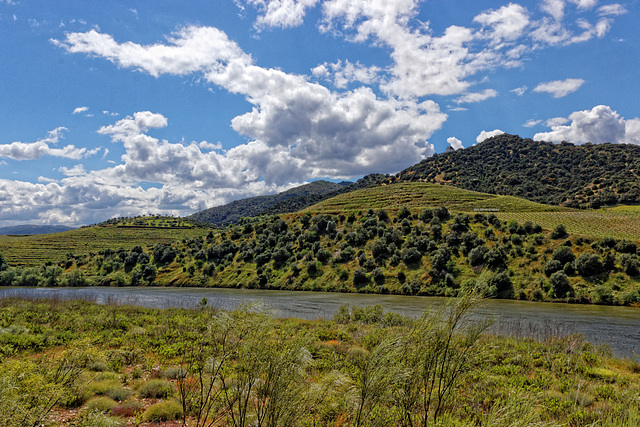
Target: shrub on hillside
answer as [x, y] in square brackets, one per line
[500, 285]
[589, 265]
[560, 284]
[563, 254]
[101, 404]
[560, 232]
[157, 389]
[163, 411]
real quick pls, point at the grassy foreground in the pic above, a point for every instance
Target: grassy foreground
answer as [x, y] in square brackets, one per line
[82, 364]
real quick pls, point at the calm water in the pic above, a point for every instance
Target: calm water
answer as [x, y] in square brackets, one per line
[618, 327]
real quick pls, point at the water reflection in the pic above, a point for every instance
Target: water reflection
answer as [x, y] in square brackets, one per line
[618, 327]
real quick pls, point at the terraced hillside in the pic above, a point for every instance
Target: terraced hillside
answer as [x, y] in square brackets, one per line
[419, 195]
[622, 222]
[38, 249]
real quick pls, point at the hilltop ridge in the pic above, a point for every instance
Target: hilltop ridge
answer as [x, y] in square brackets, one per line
[292, 200]
[578, 176]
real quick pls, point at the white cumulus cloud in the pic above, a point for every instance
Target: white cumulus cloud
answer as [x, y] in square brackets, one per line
[505, 24]
[488, 134]
[279, 13]
[560, 88]
[468, 98]
[532, 123]
[455, 143]
[599, 125]
[35, 150]
[342, 73]
[319, 133]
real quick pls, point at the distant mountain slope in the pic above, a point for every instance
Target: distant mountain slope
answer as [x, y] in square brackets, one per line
[29, 229]
[254, 206]
[586, 176]
[291, 200]
[295, 204]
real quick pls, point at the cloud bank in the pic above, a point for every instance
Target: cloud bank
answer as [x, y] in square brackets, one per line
[599, 125]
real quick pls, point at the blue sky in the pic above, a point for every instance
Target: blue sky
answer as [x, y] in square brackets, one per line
[126, 108]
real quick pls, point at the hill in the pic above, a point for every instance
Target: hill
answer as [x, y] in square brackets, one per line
[419, 195]
[621, 222]
[584, 176]
[255, 206]
[30, 229]
[35, 250]
[399, 238]
[291, 200]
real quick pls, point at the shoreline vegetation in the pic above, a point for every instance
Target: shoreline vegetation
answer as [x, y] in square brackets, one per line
[336, 247]
[83, 364]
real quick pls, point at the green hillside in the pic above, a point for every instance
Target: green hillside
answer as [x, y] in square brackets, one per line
[584, 176]
[622, 222]
[419, 195]
[35, 250]
[291, 200]
[403, 238]
[255, 206]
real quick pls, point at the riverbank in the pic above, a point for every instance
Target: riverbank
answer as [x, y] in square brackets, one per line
[121, 354]
[613, 326]
[432, 252]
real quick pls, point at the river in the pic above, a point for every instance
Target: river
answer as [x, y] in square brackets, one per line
[618, 327]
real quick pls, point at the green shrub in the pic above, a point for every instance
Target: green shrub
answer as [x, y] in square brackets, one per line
[118, 393]
[174, 372]
[98, 366]
[157, 389]
[560, 232]
[500, 285]
[97, 419]
[551, 267]
[101, 404]
[564, 254]
[163, 411]
[560, 284]
[106, 376]
[110, 388]
[589, 265]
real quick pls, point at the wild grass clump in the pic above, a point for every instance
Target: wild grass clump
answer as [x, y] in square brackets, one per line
[100, 404]
[98, 419]
[156, 389]
[110, 388]
[174, 373]
[163, 411]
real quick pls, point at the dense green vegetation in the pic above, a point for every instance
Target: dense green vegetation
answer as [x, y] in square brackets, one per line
[38, 250]
[82, 364]
[151, 221]
[620, 222]
[585, 176]
[429, 251]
